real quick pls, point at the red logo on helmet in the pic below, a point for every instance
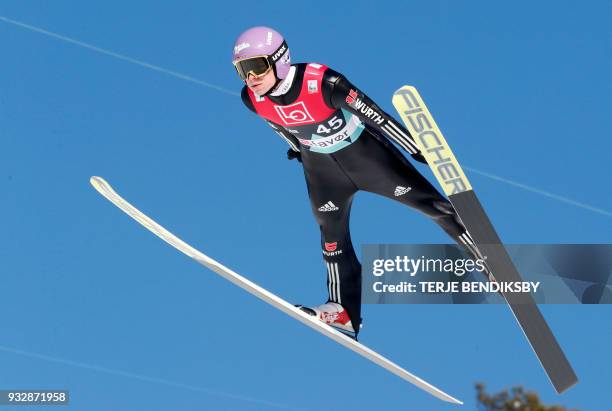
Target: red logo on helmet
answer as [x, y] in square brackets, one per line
[352, 95]
[331, 246]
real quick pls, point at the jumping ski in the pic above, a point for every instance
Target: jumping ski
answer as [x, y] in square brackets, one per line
[455, 184]
[107, 191]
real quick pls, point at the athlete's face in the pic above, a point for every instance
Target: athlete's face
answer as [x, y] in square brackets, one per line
[260, 85]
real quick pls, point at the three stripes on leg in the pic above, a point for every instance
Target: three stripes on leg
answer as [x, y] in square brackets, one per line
[333, 282]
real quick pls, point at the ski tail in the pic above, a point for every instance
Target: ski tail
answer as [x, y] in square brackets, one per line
[523, 306]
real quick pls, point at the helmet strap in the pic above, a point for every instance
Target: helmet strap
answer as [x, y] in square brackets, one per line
[279, 52]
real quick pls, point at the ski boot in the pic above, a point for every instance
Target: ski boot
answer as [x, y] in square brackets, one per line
[334, 315]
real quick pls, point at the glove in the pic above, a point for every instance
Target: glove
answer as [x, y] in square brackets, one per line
[294, 154]
[419, 157]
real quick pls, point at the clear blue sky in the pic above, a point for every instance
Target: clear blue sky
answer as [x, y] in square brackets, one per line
[93, 303]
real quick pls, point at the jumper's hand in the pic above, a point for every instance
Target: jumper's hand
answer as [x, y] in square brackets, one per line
[294, 154]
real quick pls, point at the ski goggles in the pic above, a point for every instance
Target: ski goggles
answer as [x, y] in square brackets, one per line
[259, 65]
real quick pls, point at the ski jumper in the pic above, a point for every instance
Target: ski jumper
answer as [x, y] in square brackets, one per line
[343, 138]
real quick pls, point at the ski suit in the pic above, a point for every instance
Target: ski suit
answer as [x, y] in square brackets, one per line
[342, 137]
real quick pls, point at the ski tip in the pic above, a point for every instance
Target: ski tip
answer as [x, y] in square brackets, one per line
[100, 185]
[95, 180]
[404, 87]
[98, 182]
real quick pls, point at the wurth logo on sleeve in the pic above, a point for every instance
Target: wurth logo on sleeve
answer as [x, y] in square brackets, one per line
[355, 102]
[369, 112]
[294, 114]
[352, 95]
